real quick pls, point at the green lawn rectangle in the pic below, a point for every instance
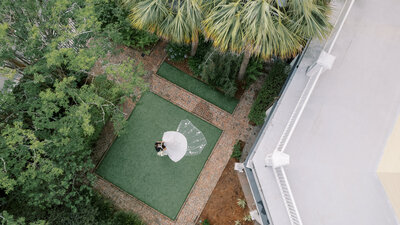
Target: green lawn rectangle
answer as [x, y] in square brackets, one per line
[133, 165]
[197, 87]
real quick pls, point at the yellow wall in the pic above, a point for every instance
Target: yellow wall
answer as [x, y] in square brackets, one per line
[389, 169]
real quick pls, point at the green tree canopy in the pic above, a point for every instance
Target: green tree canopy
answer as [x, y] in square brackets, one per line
[50, 120]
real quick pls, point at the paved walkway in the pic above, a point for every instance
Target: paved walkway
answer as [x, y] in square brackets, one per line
[235, 126]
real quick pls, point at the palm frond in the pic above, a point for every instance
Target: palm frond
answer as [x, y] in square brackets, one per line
[174, 28]
[129, 4]
[175, 20]
[262, 27]
[148, 14]
[309, 18]
[224, 26]
[193, 16]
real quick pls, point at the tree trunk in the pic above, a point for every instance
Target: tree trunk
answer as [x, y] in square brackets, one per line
[243, 67]
[195, 44]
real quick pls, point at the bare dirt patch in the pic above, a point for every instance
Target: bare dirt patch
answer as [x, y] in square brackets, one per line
[222, 207]
[182, 65]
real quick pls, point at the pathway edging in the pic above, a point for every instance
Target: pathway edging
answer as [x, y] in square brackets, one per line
[235, 126]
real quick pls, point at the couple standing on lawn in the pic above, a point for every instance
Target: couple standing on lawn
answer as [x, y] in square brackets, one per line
[160, 148]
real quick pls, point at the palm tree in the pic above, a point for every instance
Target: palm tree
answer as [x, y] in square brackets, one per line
[310, 18]
[265, 28]
[175, 20]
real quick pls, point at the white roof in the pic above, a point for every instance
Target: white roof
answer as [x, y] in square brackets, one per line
[339, 140]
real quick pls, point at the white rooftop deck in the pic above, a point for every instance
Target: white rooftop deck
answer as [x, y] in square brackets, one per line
[340, 137]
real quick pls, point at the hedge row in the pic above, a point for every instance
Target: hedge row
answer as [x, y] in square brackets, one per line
[269, 92]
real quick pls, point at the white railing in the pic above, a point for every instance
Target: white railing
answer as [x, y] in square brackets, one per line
[305, 95]
[286, 192]
[298, 110]
[279, 172]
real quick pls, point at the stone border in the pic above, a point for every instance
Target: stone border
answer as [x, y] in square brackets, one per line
[194, 112]
[194, 184]
[130, 106]
[134, 199]
[197, 179]
[194, 100]
[234, 126]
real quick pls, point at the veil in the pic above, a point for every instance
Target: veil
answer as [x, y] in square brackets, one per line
[195, 138]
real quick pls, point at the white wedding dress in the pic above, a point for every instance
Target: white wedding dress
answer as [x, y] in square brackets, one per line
[187, 140]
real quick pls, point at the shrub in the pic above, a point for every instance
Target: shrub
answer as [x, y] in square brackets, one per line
[195, 65]
[195, 62]
[138, 39]
[98, 211]
[60, 216]
[220, 70]
[270, 90]
[229, 87]
[123, 218]
[237, 151]
[106, 88]
[177, 52]
[110, 12]
[253, 70]
[241, 203]
[205, 222]
[115, 24]
[247, 218]
[105, 209]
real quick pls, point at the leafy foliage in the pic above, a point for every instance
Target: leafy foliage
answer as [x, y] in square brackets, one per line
[127, 76]
[205, 222]
[241, 203]
[49, 138]
[177, 52]
[97, 211]
[6, 218]
[195, 61]
[220, 70]
[247, 218]
[51, 118]
[122, 218]
[41, 42]
[194, 64]
[253, 70]
[197, 87]
[237, 151]
[114, 22]
[269, 92]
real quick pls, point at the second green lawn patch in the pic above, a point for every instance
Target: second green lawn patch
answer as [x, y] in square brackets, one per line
[133, 165]
[197, 87]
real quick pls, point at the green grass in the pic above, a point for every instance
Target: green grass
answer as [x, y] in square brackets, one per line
[133, 165]
[197, 87]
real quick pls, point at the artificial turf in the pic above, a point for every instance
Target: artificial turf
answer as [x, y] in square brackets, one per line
[132, 163]
[197, 87]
